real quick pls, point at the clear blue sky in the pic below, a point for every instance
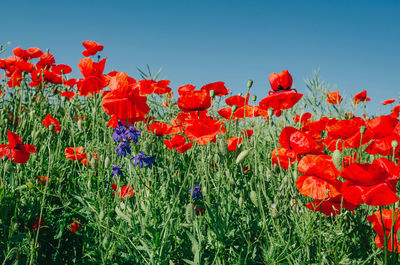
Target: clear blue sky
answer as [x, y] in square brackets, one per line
[356, 44]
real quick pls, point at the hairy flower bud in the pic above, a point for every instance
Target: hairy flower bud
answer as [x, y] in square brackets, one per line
[250, 83]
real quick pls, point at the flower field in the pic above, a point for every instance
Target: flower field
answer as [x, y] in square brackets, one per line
[113, 169]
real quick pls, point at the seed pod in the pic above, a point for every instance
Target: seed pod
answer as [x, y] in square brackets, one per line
[189, 213]
[395, 144]
[250, 84]
[337, 159]
[242, 156]
[253, 198]
[106, 162]
[212, 93]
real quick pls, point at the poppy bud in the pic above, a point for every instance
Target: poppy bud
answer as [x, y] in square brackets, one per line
[242, 156]
[94, 112]
[105, 242]
[395, 144]
[30, 185]
[106, 162]
[212, 93]
[250, 83]
[240, 201]
[216, 158]
[363, 129]
[253, 198]
[51, 127]
[240, 94]
[93, 162]
[254, 98]
[337, 159]
[80, 125]
[7, 166]
[234, 108]
[189, 213]
[31, 114]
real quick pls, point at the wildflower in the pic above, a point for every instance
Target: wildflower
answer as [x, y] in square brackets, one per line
[68, 94]
[388, 101]
[123, 148]
[117, 170]
[196, 193]
[43, 179]
[91, 48]
[125, 192]
[384, 228]
[218, 87]
[178, 142]
[139, 159]
[194, 101]
[49, 120]
[334, 97]
[362, 96]
[283, 81]
[74, 153]
[75, 226]
[133, 134]
[37, 225]
[15, 150]
[119, 133]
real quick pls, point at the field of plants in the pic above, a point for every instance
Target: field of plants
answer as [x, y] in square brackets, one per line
[113, 169]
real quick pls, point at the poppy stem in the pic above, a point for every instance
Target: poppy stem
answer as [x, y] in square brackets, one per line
[384, 236]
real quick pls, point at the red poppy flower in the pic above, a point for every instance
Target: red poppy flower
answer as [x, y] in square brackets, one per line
[159, 129]
[303, 119]
[49, 120]
[91, 48]
[46, 61]
[94, 80]
[148, 87]
[362, 96]
[184, 89]
[330, 206]
[320, 177]
[383, 228]
[85, 159]
[233, 142]
[218, 87]
[37, 225]
[194, 101]
[202, 128]
[15, 150]
[68, 94]
[43, 179]
[237, 100]
[384, 130]
[27, 54]
[61, 69]
[124, 101]
[71, 82]
[74, 153]
[125, 192]
[373, 184]
[388, 101]
[282, 158]
[334, 97]
[178, 142]
[75, 226]
[280, 100]
[283, 81]
[298, 142]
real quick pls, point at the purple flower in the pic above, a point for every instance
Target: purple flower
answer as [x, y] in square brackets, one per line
[133, 134]
[196, 193]
[119, 133]
[117, 170]
[123, 148]
[139, 159]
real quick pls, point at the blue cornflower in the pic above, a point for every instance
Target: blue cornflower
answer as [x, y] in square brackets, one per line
[196, 193]
[123, 148]
[139, 159]
[133, 134]
[119, 133]
[117, 170]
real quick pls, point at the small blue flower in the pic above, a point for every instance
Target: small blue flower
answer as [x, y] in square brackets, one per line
[119, 133]
[117, 170]
[133, 134]
[139, 159]
[123, 149]
[196, 193]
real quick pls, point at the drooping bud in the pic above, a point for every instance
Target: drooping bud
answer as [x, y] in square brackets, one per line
[242, 156]
[254, 98]
[337, 159]
[234, 108]
[253, 198]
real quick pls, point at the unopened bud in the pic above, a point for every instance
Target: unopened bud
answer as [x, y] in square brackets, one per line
[31, 114]
[212, 93]
[254, 98]
[274, 211]
[240, 94]
[93, 162]
[189, 213]
[253, 197]
[362, 129]
[234, 108]
[337, 159]
[223, 148]
[52, 127]
[242, 156]
[240, 201]
[106, 162]
[80, 125]
[250, 83]
[30, 185]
